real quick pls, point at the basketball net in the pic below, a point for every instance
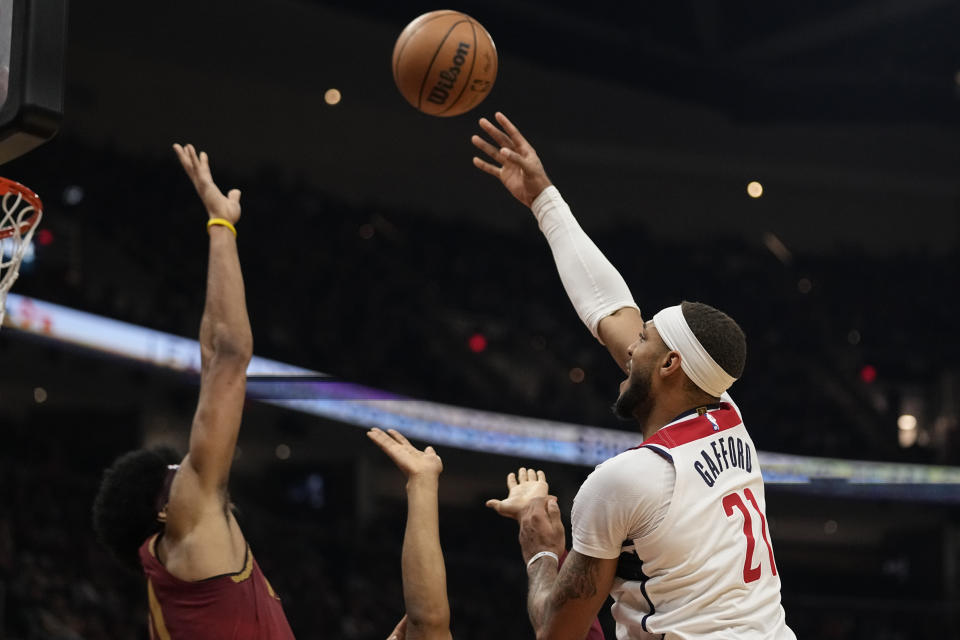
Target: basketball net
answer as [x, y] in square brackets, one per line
[22, 210]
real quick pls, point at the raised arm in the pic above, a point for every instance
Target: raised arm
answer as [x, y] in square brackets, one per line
[599, 294]
[424, 573]
[556, 608]
[226, 345]
[562, 601]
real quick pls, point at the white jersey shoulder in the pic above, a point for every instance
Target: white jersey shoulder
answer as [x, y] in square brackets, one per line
[612, 506]
[708, 569]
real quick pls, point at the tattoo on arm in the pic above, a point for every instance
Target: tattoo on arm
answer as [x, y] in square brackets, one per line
[542, 577]
[548, 590]
[577, 581]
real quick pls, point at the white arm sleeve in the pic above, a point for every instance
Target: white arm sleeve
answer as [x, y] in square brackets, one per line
[593, 285]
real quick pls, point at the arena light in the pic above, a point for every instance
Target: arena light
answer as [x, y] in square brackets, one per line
[907, 422]
[754, 189]
[906, 438]
[332, 97]
[477, 343]
[73, 195]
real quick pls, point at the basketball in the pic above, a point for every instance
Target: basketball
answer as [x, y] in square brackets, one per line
[444, 63]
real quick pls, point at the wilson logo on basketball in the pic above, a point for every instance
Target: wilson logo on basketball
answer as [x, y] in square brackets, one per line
[448, 78]
[444, 63]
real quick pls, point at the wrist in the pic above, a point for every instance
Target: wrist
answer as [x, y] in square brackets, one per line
[216, 222]
[547, 200]
[545, 556]
[423, 480]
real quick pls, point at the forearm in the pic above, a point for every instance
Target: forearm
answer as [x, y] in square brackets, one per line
[595, 287]
[225, 328]
[226, 346]
[541, 580]
[424, 574]
[563, 601]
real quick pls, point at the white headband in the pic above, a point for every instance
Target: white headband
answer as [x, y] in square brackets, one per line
[694, 359]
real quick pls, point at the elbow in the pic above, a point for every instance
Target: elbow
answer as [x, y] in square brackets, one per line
[228, 343]
[429, 623]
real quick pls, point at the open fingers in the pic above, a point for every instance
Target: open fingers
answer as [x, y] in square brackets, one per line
[192, 153]
[497, 134]
[183, 157]
[531, 475]
[184, 154]
[381, 439]
[527, 162]
[189, 160]
[196, 165]
[486, 167]
[511, 480]
[487, 148]
[511, 130]
[203, 168]
[399, 438]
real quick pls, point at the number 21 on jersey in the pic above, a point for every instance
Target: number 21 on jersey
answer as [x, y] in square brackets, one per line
[733, 501]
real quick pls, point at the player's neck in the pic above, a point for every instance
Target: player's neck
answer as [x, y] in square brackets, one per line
[665, 412]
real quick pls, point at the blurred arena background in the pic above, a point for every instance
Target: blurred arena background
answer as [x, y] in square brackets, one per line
[375, 252]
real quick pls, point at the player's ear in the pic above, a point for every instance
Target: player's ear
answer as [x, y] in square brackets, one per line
[670, 363]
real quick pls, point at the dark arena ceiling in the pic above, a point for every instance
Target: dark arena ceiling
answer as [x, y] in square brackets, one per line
[821, 60]
[847, 111]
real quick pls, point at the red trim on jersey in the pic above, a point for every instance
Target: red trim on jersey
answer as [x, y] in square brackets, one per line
[696, 427]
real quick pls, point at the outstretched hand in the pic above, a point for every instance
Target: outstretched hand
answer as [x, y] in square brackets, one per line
[197, 168]
[522, 488]
[520, 169]
[541, 528]
[407, 457]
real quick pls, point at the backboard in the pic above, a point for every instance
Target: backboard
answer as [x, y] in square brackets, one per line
[32, 59]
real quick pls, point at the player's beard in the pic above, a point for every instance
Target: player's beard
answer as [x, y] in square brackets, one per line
[635, 401]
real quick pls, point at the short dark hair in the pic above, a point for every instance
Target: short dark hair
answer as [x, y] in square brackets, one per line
[719, 334]
[125, 509]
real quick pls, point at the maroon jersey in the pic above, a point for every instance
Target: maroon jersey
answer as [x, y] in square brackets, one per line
[234, 606]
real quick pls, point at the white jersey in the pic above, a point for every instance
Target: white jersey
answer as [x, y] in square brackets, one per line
[703, 566]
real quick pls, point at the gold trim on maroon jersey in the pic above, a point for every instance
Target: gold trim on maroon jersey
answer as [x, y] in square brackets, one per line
[247, 568]
[156, 614]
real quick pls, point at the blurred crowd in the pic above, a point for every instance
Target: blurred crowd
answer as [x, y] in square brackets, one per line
[390, 298]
